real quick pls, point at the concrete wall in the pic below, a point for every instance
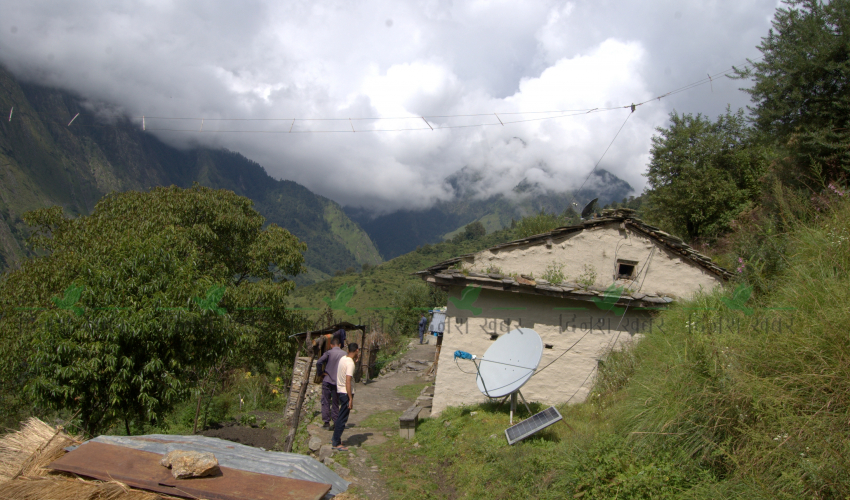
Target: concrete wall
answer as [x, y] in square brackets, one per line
[600, 248]
[558, 322]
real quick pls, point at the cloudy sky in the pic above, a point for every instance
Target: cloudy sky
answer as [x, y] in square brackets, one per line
[305, 73]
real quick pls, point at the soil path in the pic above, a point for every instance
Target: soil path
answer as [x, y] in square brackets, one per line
[379, 400]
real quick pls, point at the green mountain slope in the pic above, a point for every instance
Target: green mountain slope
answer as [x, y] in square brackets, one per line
[402, 231]
[45, 162]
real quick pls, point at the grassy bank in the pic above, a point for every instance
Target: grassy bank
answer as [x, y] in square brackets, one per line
[731, 396]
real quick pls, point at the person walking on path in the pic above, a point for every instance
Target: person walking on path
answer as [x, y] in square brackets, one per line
[423, 323]
[344, 386]
[328, 365]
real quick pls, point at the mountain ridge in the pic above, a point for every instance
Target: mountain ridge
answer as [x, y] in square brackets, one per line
[402, 231]
[45, 162]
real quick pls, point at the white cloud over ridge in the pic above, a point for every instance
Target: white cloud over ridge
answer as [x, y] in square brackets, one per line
[332, 59]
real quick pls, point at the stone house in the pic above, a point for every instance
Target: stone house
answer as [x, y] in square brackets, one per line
[585, 289]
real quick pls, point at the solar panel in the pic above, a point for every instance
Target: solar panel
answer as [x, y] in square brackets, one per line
[533, 424]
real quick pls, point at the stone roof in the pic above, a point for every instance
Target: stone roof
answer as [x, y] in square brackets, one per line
[443, 274]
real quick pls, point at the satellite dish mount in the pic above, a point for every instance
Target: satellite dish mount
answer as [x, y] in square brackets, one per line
[508, 364]
[589, 209]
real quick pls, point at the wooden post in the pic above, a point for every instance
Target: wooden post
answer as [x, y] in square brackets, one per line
[433, 368]
[365, 361]
[296, 416]
[197, 413]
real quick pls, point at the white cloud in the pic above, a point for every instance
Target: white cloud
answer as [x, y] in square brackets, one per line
[335, 59]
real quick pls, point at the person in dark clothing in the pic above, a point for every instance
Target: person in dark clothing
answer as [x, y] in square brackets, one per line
[423, 324]
[345, 388]
[327, 366]
[340, 334]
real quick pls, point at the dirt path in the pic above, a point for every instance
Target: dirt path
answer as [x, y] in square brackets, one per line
[377, 406]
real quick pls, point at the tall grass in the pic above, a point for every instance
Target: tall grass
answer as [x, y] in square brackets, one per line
[758, 392]
[731, 395]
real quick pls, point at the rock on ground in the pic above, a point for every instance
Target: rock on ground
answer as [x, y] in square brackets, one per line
[185, 464]
[315, 443]
[325, 451]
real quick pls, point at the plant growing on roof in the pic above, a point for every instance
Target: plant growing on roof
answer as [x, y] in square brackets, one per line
[491, 269]
[587, 276]
[554, 273]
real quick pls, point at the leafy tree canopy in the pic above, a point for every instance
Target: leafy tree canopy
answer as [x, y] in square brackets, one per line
[801, 90]
[703, 173]
[131, 305]
[542, 222]
[471, 231]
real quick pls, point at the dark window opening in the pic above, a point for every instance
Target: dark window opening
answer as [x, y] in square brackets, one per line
[626, 269]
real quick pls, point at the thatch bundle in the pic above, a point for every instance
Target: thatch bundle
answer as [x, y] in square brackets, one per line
[27, 451]
[23, 476]
[56, 487]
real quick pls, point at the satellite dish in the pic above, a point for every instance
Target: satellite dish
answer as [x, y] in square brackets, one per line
[588, 209]
[509, 363]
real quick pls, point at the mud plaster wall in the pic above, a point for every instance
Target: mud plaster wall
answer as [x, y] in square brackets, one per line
[600, 247]
[567, 377]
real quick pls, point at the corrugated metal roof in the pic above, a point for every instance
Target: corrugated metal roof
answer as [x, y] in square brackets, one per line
[143, 470]
[237, 456]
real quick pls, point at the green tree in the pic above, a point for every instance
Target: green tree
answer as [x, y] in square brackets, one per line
[801, 90]
[703, 173]
[411, 302]
[571, 217]
[472, 231]
[537, 224]
[131, 305]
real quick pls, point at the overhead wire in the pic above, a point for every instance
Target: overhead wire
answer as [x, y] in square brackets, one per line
[562, 113]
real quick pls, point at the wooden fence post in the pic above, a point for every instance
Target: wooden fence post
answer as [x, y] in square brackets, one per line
[296, 416]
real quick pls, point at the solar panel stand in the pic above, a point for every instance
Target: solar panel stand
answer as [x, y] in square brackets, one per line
[513, 404]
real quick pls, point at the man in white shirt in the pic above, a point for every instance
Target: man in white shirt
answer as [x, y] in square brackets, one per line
[345, 391]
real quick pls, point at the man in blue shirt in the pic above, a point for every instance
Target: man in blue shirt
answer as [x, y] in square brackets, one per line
[423, 324]
[328, 365]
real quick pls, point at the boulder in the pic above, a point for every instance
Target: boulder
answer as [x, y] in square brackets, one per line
[185, 464]
[315, 443]
[326, 451]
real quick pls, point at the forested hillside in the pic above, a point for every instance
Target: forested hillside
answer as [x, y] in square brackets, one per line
[44, 162]
[402, 231]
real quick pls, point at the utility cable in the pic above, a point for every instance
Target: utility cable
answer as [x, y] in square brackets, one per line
[560, 114]
[582, 384]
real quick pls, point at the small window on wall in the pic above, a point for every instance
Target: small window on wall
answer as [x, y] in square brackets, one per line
[626, 269]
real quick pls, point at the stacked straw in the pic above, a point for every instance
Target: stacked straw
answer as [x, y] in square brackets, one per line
[23, 476]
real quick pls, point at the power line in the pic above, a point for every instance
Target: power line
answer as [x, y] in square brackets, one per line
[291, 129]
[562, 113]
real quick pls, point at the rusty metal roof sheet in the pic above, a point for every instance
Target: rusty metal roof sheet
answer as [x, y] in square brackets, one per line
[141, 469]
[237, 456]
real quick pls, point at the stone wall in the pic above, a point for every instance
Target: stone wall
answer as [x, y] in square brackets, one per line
[599, 248]
[559, 322]
[313, 390]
